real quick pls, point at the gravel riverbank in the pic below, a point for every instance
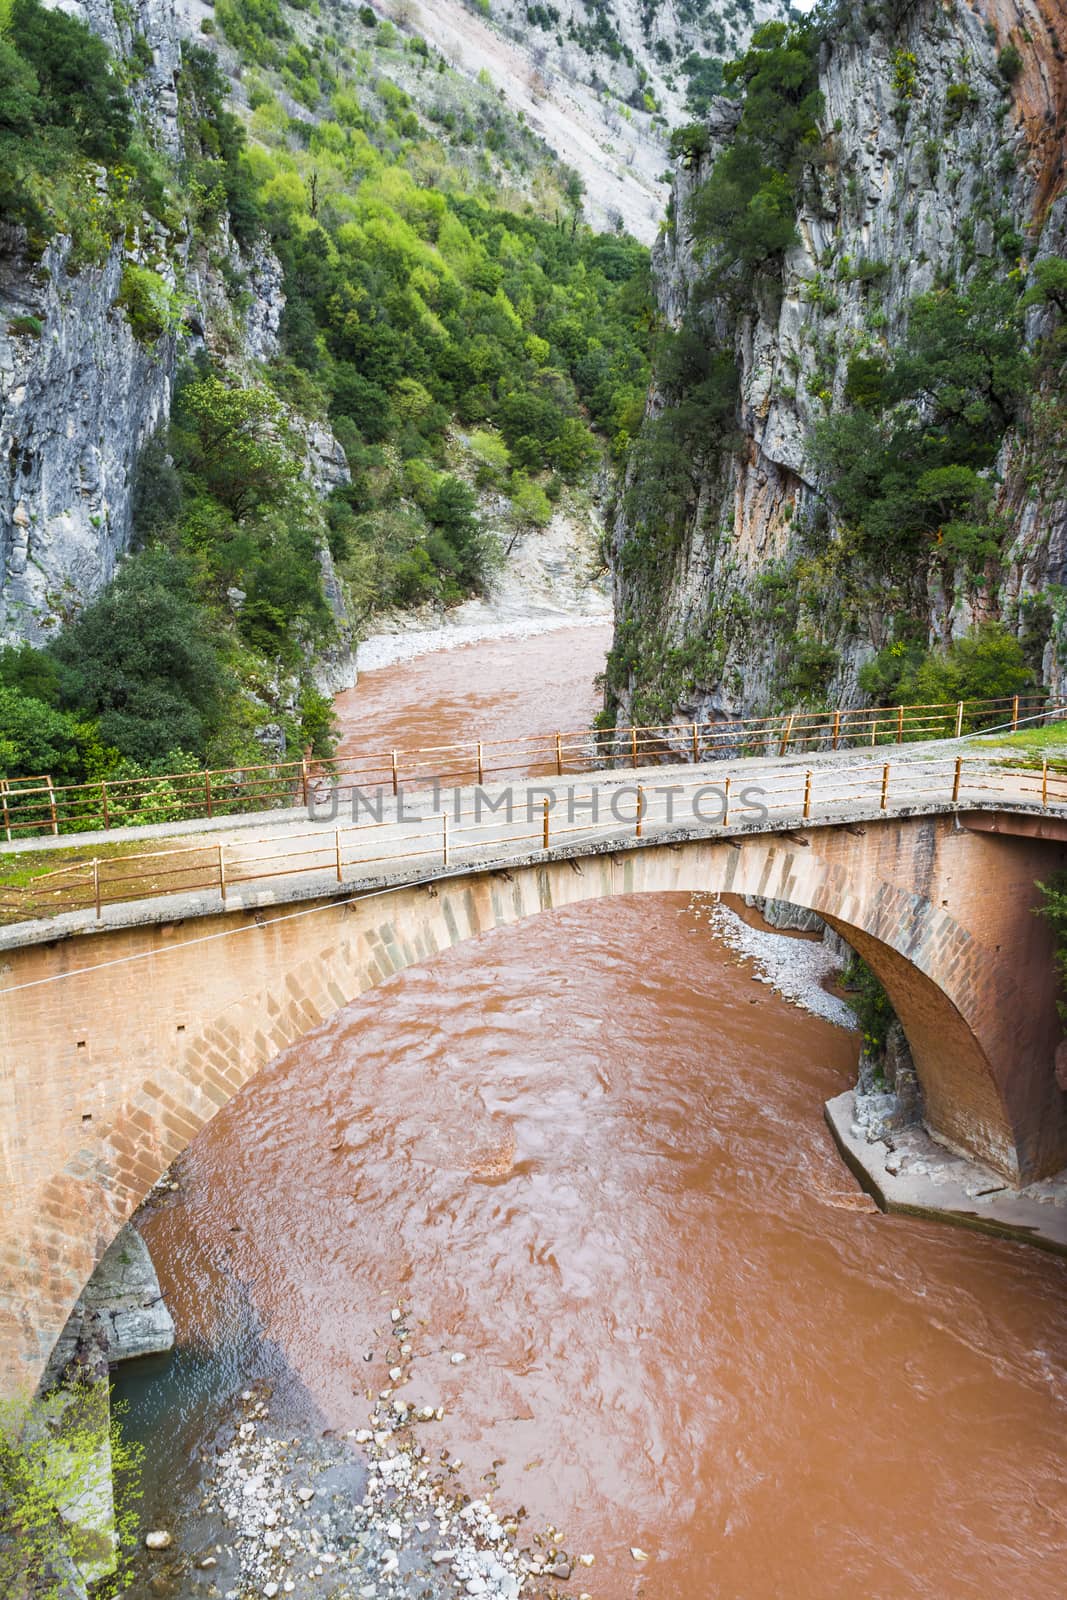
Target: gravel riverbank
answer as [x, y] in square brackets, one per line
[797, 969]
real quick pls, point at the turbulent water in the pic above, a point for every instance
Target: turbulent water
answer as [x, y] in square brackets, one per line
[588, 1153]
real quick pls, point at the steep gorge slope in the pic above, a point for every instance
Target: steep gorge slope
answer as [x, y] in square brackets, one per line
[602, 81]
[850, 487]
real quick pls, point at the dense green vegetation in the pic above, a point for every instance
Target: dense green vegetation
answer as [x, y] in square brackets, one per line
[907, 466]
[72, 157]
[446, 313]
[744, 214]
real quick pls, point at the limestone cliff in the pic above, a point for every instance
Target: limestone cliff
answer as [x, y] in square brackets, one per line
[938, 151]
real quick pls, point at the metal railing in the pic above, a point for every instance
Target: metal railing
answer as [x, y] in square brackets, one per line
[440, 841]
[30, 806]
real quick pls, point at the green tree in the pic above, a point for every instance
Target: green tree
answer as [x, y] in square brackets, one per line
[230, 438]
[744, 215]
[36, 740]
[144, 660]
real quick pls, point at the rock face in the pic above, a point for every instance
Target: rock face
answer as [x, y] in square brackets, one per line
[903, 193]
[77, 404]
[121, 1312]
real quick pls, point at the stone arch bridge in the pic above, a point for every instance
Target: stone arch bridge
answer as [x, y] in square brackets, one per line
[120, 1038]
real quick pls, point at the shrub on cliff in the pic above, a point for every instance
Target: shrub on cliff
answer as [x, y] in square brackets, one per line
[988, 663]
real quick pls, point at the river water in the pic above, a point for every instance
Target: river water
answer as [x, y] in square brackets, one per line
[587, 1152]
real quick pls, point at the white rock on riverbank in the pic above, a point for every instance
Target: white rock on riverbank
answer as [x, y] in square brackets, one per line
[797, 969]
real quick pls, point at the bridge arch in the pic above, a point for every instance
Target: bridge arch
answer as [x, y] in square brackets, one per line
[124, 1045]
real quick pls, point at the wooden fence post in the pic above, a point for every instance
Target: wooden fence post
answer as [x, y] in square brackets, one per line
[7, 814]
[337, 853]
[1044, 783]
[726, 803]
[396, 774]
[787, 734]
[481, 764]
[52, 805]
[304, 779]
[559, 755]
[900, 725]
[957, 778]
[222, 874]
[959, 718]
[885, 787]
[837, 727]
[807, 795]
[104, 804]
[633, 747]
[544, 830]
[640, 808]
[207, 793]
[1015, 715]
[696, 746]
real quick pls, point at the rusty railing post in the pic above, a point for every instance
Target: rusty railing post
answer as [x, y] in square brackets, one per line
[444, 837]
[1044, 783]
[696, 746]
[337, 853]
[104, 804]
[396, 774]
[481, 764]
[1015, 714]
[222, 874]
[885, 787]
[837, 728]
[96, 886]
[559, 755]
[957, 779]
[207, 792]
[807, 795]
[544, 828]
[640, 808]
[787, 734]
[52, 806]
[633, 747]
[959, 718]
[304, 779]
[726, 803]
[900, 724]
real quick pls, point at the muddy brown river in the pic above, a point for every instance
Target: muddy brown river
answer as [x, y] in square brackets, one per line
[588, 1154]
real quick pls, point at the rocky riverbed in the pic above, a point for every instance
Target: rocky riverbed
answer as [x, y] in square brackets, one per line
[378, 1514]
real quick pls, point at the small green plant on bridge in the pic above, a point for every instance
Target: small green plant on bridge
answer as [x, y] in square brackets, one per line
[1054, 910]
[870, 1002]
[53, 1453]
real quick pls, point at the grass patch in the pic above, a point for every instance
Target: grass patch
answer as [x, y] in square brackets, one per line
[44, 883]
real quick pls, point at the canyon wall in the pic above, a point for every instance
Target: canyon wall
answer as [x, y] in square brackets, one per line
[938, 157]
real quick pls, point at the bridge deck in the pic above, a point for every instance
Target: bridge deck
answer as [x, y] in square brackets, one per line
[352, 842]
